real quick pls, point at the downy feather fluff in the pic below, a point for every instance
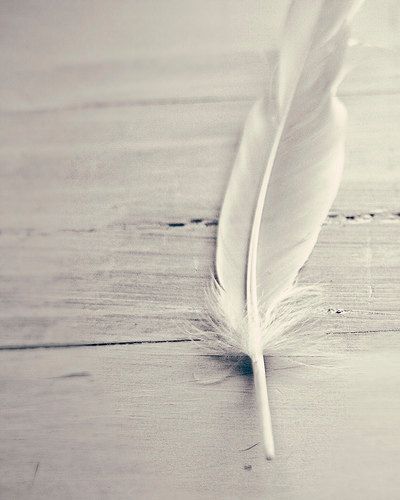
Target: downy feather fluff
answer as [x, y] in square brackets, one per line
[283, 182]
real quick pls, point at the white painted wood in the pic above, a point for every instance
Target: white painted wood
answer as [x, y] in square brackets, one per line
[203, 77]
[87, 169]
[79, 54]
[144, 282]
[118, 127]
[87, 199]
[133, 422]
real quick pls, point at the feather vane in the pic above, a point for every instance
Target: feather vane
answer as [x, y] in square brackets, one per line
[284, 180]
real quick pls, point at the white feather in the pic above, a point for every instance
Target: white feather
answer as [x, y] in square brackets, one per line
[283, 182]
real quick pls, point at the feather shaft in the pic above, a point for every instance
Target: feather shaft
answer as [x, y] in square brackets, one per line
[260, 386]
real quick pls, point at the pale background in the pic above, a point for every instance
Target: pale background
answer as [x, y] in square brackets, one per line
[119, 124]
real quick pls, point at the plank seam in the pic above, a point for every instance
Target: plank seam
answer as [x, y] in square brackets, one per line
[333, 218]
[169, 102]
[24, 347]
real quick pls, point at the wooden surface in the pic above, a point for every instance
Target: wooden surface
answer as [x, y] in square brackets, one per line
[119, 123]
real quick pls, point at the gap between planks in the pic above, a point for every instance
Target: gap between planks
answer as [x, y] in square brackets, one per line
[336, 218]
[26, 347]
[168, 102]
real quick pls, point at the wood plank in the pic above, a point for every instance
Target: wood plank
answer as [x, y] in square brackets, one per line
[84, 170]
[149, 27]
[142, 51]
[142, 282]
[203, 77]
[130, 422]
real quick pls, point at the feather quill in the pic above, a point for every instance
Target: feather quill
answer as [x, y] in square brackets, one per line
[284, 180]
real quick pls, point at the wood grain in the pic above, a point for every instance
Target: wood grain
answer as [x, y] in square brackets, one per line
[118, 422]
[96, 227]
[99, 286]
[87, 169]
[54, 55]
[119, 122]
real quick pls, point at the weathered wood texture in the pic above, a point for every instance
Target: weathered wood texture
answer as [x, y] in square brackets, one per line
[88, 199]
[118, 127]
[124, 423]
